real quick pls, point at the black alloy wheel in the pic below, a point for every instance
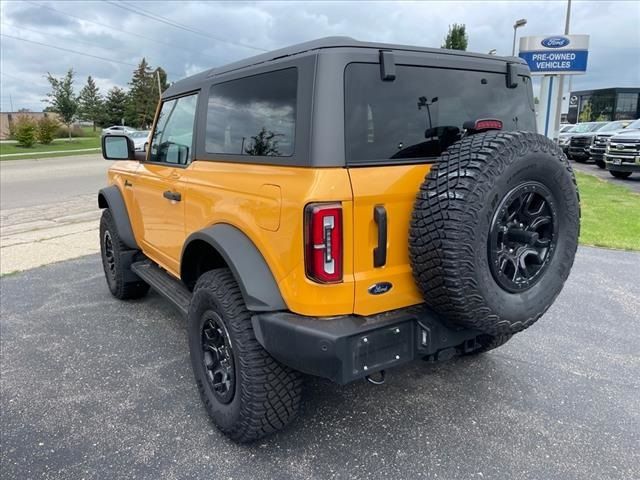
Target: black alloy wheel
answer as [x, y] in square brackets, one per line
[523, 236]
[217, 357]
[109, 256]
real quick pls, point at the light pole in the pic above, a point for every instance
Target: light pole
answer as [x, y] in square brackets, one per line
[519, 23]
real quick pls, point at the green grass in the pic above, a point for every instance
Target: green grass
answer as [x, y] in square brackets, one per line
[610, 214]
[59, 145]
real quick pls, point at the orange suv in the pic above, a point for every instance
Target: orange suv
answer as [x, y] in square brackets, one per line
[339, 208]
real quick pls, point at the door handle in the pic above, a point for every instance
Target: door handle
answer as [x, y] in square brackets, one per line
[174, 196]
[380, 252]
[127, 183]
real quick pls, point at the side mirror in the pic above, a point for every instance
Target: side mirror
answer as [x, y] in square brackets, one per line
[117, 147]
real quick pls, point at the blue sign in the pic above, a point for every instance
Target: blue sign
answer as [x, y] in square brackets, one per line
[556, 61]
[555, 42]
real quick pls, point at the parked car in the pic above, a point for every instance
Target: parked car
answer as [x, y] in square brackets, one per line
[599, 144]
[622, 155]
[565, 137]
[580, 144]
[119, 129]
[140, 140]
[342, 259]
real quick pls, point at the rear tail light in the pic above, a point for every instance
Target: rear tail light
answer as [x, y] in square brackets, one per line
[488, 124]
[323, 242]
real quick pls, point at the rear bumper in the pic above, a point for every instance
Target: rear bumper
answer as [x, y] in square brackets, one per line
[350, 347]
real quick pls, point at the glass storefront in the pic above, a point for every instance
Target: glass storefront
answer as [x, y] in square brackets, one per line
[604, 105]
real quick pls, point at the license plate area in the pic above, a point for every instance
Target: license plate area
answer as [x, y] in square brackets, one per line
[616, 161]
[382, 348]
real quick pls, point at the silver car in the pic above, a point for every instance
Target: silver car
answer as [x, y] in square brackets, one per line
[140, 140]
[118, 129]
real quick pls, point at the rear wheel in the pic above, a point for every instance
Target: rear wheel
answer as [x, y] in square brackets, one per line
[620, 174]
[122, 283]
[246, 392]
[495, 230]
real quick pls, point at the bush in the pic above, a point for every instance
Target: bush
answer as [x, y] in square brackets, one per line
[25, 131]
[63, 131]
[47, 129]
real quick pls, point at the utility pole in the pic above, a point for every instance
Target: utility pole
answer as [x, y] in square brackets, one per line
[558, 116]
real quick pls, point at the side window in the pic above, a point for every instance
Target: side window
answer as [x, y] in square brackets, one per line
[253, 116]
[172, 140]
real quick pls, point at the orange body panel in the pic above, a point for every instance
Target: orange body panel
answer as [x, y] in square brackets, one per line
[267, 203]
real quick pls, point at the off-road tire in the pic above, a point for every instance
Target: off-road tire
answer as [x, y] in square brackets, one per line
[580, 159]
[452, 217]
[119, 287]
[618, 174]
[267, 394]
[601, 164]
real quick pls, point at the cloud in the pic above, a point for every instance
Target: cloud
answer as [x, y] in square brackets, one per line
[120, 35]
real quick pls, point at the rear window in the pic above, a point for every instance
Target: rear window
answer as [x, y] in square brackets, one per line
[421, 112]
[253, 116]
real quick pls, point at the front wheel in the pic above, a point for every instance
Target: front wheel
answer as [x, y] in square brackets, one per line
[246, 392]
[620, 174]
[600, 163]
[116, 272]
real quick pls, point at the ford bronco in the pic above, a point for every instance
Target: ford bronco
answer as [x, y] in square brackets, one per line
[339, 208]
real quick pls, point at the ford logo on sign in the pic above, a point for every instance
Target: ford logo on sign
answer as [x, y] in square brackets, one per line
[555, 42]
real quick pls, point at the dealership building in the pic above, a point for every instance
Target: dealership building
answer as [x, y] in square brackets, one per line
[604, 104]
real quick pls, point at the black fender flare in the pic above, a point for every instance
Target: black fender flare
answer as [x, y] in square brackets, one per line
[111, 198]
[257, 283]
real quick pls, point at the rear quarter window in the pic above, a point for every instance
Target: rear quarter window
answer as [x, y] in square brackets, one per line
[253, 116]
[421, 112]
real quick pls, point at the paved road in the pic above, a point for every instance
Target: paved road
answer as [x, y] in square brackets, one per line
[26, 183]
[97, 388]
[48, 209]
[633, 182]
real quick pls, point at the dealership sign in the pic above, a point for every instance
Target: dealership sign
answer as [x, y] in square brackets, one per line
[555, 54]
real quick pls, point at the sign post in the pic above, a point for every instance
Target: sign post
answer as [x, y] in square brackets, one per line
[553, 56]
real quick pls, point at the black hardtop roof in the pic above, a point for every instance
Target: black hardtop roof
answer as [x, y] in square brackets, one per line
[193, 82]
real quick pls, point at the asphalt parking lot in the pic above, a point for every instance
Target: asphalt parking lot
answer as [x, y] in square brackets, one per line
[97, 388]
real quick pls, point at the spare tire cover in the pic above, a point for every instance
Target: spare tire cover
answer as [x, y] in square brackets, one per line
[494, 230]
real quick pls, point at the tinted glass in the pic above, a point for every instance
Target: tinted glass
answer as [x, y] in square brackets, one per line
[253, 116]
[422, 111]
[173, 137]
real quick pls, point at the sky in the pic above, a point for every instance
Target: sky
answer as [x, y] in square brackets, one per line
[106, 39]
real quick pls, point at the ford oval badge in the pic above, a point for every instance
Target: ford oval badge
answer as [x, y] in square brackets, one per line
[380, 288]
[555, 42]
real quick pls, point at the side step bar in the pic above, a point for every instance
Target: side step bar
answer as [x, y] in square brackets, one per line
[166, 285]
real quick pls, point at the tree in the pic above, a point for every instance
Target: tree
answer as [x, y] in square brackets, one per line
[264, 144]
[62, 99]
[25, 131]
[585, 114]
[90, 103]
[46, 130]
[142, 100]
[114, 107]
[457, 38]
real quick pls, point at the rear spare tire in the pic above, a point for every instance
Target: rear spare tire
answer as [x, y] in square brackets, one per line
[494, 231]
